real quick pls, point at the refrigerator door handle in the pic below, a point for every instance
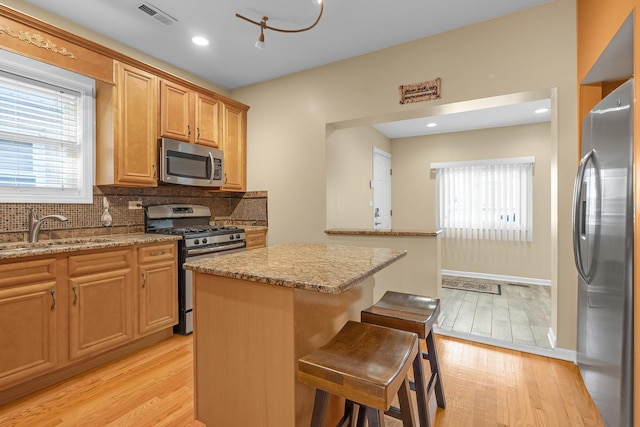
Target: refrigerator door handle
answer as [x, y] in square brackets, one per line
[580, 214]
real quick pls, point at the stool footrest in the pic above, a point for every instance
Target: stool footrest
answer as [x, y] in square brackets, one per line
[394, 412]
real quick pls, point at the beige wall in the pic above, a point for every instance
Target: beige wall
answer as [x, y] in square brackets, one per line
[349, 165]
[530, 50]
[414, 195]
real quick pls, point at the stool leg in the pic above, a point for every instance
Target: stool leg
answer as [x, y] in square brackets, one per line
[435, 369]
[406, 406]
[347, 416]
[362, 416]
[319, 408]
[375, 417]
[421, 390]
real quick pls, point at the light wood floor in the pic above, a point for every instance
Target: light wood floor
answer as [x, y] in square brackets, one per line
[484, 386]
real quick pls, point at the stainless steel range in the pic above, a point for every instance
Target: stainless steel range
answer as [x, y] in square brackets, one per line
[199, 240]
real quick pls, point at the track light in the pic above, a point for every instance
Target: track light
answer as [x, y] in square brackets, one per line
[263, 25]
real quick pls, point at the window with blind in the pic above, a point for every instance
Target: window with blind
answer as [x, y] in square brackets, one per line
[46, 133]
[490, 199]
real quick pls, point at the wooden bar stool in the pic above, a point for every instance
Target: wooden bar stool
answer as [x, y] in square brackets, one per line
[413, 313]
[365, 364]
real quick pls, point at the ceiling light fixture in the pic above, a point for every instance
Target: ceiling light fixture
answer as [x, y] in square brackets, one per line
[200, 41]
[541, 110]
[432, 125]
[263, 25]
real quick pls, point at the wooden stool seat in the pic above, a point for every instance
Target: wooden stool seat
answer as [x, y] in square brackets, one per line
[365, 364]
[417, 314]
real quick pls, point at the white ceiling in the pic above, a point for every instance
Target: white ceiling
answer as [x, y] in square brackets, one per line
[480, 118]
[347, 28]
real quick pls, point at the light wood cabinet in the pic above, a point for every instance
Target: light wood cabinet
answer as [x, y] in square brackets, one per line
[157, 287]
[256, 239]
[234, 145]
[189, 116]
[29, 310]
[100, 302]
[126, 128]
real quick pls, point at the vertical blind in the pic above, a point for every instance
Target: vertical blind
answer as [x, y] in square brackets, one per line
[489, 199]
[40, 134]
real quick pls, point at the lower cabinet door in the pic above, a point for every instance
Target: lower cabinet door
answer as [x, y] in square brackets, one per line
[100, 312]
[157, 297]
[28, 331]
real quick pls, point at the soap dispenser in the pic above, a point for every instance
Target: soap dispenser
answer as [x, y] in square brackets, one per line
[106, 218]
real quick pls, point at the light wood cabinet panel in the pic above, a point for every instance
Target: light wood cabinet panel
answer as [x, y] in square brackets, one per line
[175, 111]
[157, 288]
[234, 143]
[28, 315]
[207, 121]
[126, 125]
[100, 303]
[188, 116]
[256, 239]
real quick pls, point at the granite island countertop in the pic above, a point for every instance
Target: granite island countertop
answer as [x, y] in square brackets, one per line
[48, 247]
[324, 268]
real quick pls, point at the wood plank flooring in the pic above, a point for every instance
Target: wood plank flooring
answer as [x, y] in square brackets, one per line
[484, 386]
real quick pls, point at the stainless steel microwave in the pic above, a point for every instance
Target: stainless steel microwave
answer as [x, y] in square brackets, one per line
[190, 164]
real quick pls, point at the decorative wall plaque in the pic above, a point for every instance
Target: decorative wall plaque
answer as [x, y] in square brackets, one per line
[418, 92]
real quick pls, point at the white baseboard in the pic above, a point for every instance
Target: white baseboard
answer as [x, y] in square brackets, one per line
[555, 353]
[502, 278]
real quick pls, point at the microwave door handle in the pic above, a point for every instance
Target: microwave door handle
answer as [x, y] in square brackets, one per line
[212, 167]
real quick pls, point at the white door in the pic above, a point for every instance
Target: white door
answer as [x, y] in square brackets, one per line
[381, 190]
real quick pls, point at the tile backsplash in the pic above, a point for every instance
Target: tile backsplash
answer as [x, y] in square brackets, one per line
[85, 219]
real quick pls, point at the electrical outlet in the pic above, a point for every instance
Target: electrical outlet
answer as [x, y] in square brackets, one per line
[135, 204]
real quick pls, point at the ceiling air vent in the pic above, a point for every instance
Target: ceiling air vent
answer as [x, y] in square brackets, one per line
[157, 14]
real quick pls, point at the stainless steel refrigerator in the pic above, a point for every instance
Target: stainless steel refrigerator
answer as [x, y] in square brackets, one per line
[603, 251]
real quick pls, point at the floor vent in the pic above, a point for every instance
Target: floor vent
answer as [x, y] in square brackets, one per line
[157, 14]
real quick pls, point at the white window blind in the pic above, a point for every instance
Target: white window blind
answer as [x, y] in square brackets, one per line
[485, 200]
[46, 134]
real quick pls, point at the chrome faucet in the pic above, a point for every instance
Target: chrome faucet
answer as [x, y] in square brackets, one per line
[35, 223]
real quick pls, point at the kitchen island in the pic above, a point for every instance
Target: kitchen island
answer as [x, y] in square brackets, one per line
[258, 312]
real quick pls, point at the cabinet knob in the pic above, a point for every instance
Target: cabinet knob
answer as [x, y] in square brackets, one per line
[144, 279]
[189, 131]
[75, 294]
[156, 253]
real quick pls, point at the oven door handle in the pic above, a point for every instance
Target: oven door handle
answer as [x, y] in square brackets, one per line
[215, 249]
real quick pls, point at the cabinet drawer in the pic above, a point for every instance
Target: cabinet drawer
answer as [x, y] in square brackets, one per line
[27, 272]
[256, 239]
[166, 252]
[101, 261]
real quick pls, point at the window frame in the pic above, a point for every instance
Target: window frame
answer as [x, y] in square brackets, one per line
[51, 75]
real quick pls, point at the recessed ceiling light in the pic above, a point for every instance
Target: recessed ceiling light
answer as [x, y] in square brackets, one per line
[541, 110]
[200, 41]
[432, 125]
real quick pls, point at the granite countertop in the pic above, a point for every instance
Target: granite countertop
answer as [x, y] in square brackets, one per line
[372, 232]
[323, 268]
[47, 247]
[254, 227]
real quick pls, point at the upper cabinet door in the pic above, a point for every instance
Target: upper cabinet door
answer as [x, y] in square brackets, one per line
[234, 143]
[175, 113]
[126, 129]
[207, 121]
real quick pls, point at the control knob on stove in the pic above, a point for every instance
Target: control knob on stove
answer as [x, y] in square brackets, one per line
[231, 237]
[196, 242]
[204, 241]
[237, 236]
